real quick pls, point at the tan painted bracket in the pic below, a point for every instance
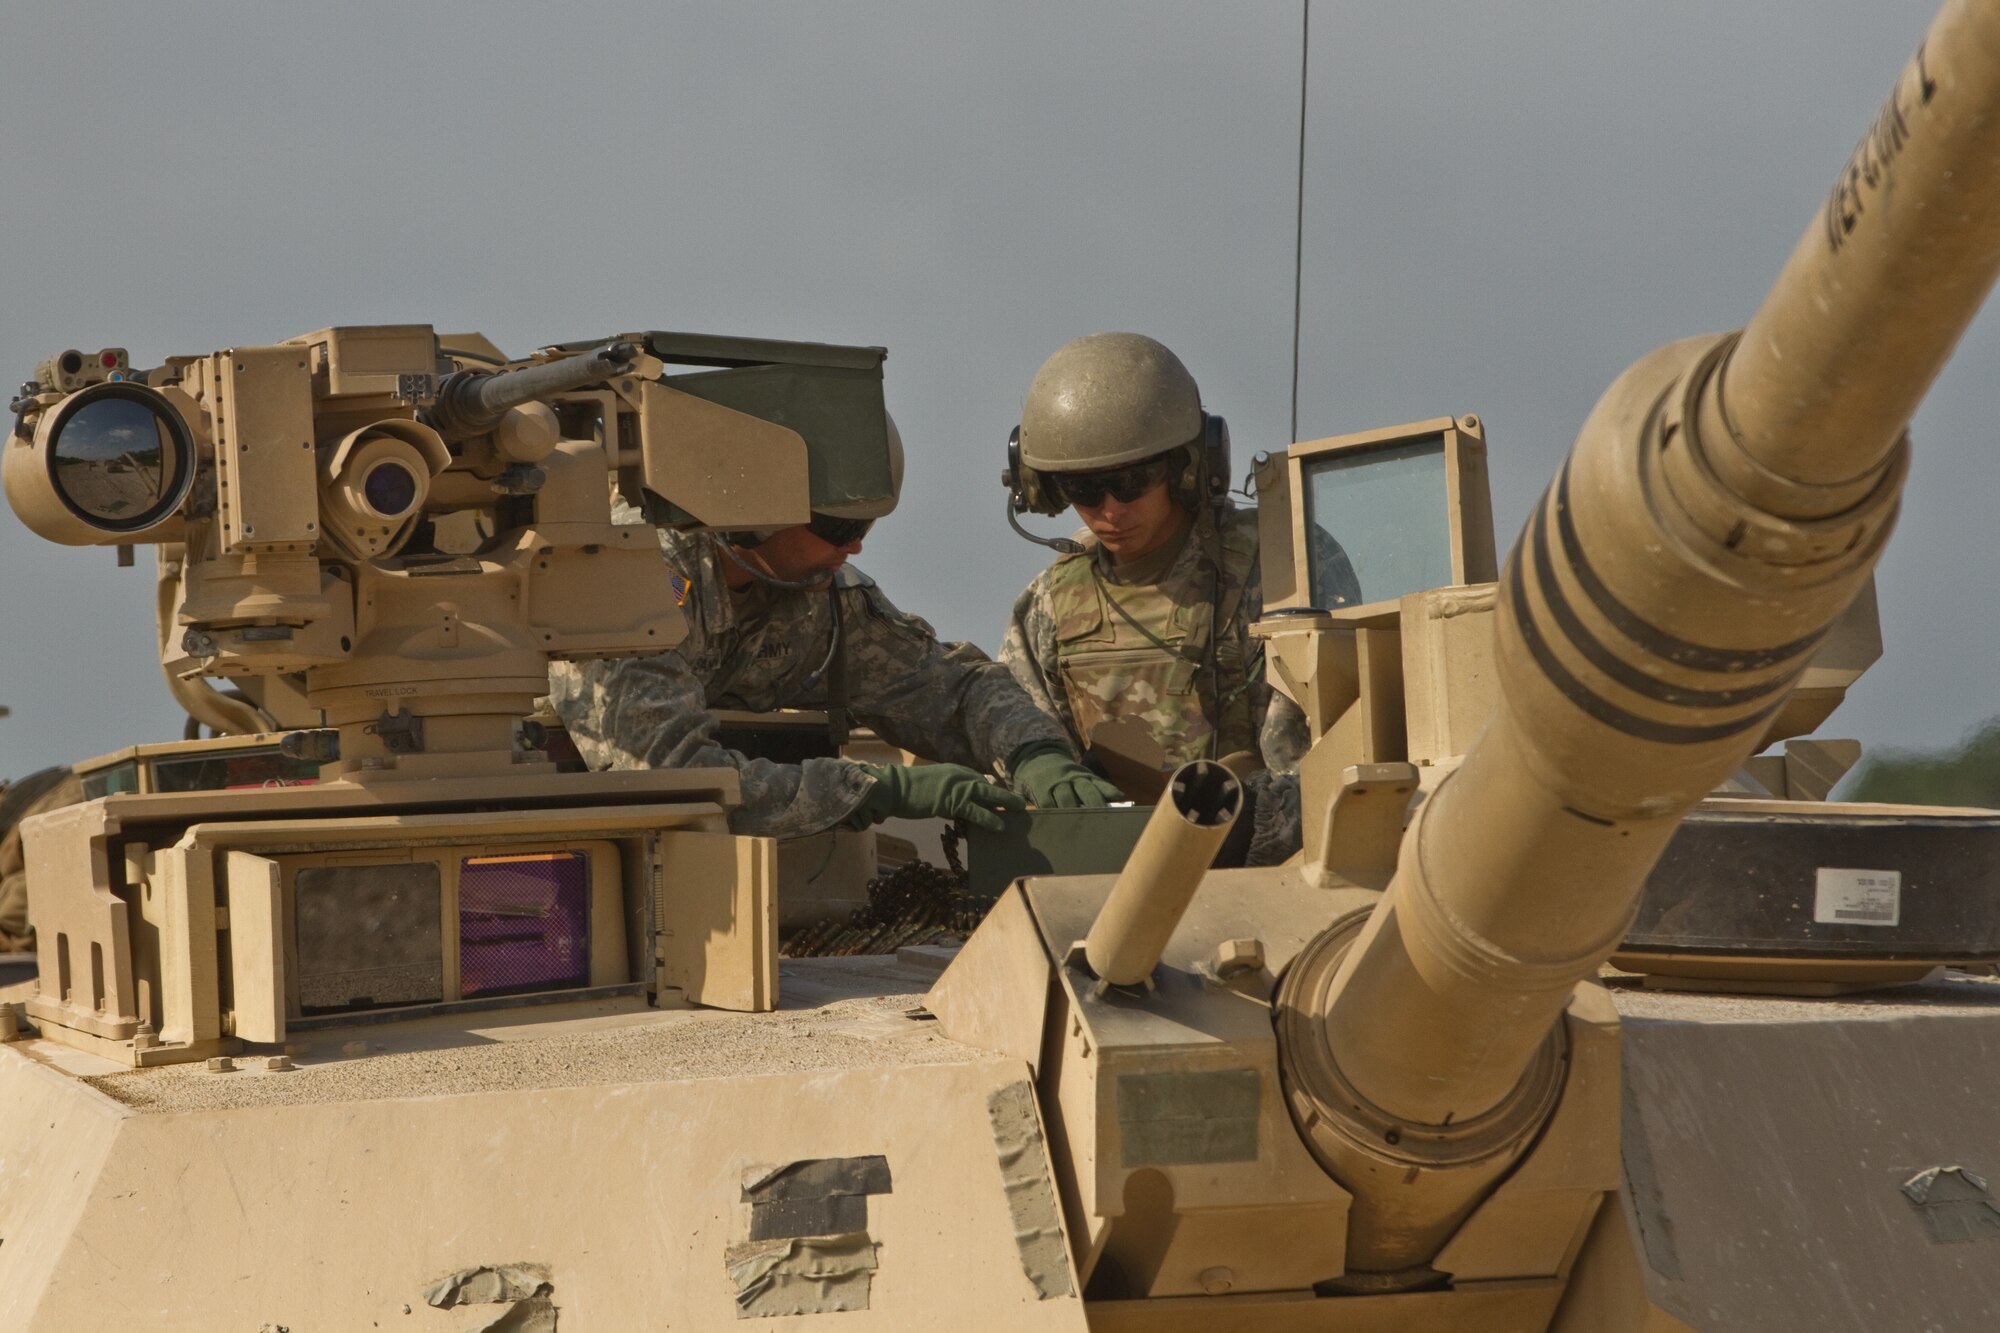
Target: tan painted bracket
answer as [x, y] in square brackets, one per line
[1813, 767]
[1314, 664]
[1808, 770]
[727, 468]
[716, 917]
[256, 945]
[1363, 826]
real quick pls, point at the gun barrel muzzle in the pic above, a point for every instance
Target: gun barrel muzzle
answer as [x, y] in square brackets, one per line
[1886, 277]
[1188, 827]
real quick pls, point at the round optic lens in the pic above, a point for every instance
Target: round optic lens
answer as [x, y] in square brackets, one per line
[70, 363]
[389, 489]
[120, 457]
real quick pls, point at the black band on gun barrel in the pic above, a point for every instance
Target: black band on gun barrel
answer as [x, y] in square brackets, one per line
[1612, 665]
[1610, 714]
[1644, 633]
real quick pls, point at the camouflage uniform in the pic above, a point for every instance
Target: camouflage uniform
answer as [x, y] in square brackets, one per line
[1088, 648]
[760, 648]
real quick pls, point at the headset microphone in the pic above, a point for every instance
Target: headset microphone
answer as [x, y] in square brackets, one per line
[1017, 501]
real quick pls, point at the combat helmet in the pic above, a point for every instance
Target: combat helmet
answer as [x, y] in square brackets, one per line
[875, 506]
[842, 522]
[1106, 400]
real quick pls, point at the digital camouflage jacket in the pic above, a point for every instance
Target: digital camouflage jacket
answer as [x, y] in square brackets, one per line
[1088, 648]
[763, 648]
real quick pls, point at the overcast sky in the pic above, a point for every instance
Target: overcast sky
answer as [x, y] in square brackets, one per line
[1505, 205]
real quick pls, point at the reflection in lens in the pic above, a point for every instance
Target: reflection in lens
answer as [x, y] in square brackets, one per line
[389, 489]
[115, 460]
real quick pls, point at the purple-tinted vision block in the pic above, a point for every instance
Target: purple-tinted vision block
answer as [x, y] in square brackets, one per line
[523, 923]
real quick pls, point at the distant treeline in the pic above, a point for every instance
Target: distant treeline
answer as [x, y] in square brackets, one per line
[1967, 774]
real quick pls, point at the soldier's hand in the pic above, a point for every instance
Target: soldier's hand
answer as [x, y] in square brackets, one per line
[1054, 780]
[925, 791]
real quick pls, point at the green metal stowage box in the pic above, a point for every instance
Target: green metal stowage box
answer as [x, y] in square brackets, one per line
[1052, 842]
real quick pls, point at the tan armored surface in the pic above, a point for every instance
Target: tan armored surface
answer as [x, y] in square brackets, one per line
[446, 1040]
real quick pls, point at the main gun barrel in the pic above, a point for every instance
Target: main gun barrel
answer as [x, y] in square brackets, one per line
[1724, 502]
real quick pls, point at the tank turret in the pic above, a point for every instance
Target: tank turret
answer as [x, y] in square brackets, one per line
[1441, 1052]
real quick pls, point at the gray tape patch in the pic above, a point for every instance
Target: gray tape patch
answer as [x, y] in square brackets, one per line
[809, 1251]
[820, 1196]
[537, 1314]
[1953, 1205]
[487, 1283]
[523, 1289]
[1031, 1198]
[801, 1275]
[1182, 1119]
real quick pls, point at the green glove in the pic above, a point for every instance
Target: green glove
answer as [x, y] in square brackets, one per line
[925, 791]
[1053, 779]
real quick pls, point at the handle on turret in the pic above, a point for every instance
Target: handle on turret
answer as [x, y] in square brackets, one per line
[1724, 502]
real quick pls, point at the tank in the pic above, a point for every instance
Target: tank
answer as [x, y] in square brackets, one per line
[1554, 1024]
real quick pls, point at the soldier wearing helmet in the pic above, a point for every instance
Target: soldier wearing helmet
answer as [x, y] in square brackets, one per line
[782, 620]
[1146, 616]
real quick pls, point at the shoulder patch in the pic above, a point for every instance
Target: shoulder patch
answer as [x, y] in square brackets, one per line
[679, 586]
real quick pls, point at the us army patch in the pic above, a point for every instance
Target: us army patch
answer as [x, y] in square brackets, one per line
[680, 587]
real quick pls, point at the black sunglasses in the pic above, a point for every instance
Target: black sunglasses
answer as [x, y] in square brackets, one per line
[839, 531]
[1123, 484]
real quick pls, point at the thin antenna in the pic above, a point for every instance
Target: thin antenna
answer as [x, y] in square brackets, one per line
[1299, 224]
